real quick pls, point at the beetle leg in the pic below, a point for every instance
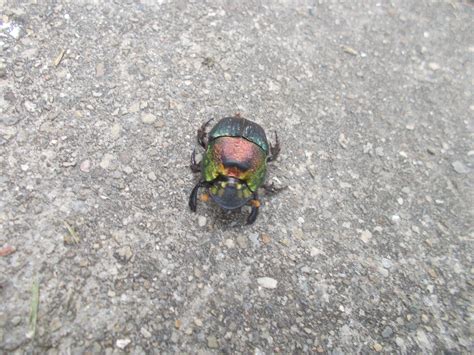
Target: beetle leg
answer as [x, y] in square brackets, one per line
[274, 150]
[195, 167]
[194, 194]
[271, 188]
[255, 203]
[201, 135]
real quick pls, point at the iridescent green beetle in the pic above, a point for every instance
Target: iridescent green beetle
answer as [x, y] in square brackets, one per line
[234, 164]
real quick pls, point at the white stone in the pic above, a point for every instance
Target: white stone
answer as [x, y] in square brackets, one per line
[106, 160]
[202, 221]
[229, 243]
[365, 236]
[122, 343]
[267, 282]
[148, 118]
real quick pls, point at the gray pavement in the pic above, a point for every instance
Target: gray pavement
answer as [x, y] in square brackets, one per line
[368, 250]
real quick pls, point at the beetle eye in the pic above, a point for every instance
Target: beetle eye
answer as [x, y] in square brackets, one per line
[238, 186]
[223, 184]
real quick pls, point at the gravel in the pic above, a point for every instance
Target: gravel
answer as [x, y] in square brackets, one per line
[369, 247]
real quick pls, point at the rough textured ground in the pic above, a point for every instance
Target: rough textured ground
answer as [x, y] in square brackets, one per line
[371, 244]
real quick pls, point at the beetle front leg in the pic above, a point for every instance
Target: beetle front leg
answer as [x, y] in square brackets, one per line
[272, 189]
[274, 150]
[255, 203]
[194, 193]
[201, 135]
[195, 167]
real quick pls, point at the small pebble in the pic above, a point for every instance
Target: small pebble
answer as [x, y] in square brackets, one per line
[115, 130]
[460, 168]
[16, 320]
[431, 151]
[7, 250]
[202, 221]
[174, 337]
[434, 66]
[145, 332]
[135, 107]
[267, 282]
[212, 342]
[100, 70]
[242, 241]
[229, 243]
[377, 347]
[387, 332]
[85, 166]
[365, 236]
[386, 263]
[152, 176]
[432, 273]
[343, 141]
[124, 254]
[106, 160]
[148, 118]
[122, 343]
[265, 238]
[395, 219]
[422, 338]
[30, 106]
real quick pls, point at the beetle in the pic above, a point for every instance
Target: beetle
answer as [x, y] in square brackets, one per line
[234, 164]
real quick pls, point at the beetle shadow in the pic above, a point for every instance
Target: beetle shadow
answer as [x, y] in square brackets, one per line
[230, 219]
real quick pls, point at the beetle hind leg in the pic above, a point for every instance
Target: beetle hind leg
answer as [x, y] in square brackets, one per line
[274, 149]
[201, 134]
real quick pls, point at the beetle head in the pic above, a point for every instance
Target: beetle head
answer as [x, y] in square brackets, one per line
[230, 193]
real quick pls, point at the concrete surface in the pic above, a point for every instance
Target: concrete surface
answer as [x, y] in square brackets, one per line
[370, 247]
